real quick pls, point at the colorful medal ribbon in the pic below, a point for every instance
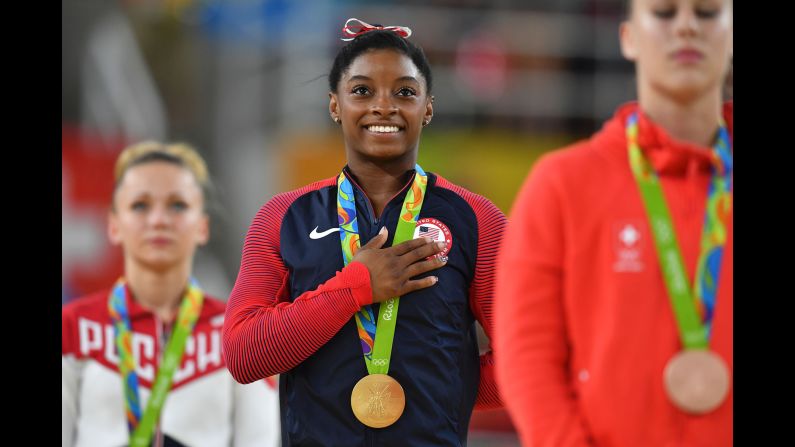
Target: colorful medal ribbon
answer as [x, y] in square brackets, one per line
[142, 428]
[693, 311]
[377, 345]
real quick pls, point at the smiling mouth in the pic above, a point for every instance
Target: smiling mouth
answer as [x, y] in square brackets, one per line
[383, 129]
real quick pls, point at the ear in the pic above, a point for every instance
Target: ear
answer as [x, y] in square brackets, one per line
[113, 228]
[333, 106]
[204, 230]
[627, 41]
[428, 109]
[731, 31]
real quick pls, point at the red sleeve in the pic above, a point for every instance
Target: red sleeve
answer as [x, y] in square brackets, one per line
[530, 336]
[266, 334]
[491, 224]
[87, 305]
[68, 330]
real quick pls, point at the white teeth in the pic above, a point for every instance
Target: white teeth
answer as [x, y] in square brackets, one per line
[383, 129]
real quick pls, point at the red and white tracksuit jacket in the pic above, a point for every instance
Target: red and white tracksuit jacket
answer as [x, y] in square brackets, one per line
[205, 406]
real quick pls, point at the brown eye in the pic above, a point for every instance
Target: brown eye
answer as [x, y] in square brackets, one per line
[360, 90]
[406, 91]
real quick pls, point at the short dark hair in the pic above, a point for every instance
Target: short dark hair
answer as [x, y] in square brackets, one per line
[378, 39]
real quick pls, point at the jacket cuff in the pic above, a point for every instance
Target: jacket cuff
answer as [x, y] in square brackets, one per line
[356, 277]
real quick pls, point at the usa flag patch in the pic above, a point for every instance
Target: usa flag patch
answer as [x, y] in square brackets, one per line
[435, 230]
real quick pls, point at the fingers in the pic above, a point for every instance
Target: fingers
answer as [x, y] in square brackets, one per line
[405, 247]
[423, 252]
[419, 268]
[417, 284]
[410, 285]
[378, 240]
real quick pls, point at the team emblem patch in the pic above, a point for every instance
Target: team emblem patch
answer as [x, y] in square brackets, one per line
[436, 230]
[628, 242]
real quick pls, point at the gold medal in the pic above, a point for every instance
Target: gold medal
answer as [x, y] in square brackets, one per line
[377, 400]
[696, 380]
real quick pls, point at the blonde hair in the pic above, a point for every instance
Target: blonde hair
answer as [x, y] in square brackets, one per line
[181, 154]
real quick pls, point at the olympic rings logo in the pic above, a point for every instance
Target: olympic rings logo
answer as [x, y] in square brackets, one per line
[379, 362]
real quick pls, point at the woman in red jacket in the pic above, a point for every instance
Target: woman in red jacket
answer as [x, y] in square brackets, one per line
[612, 331]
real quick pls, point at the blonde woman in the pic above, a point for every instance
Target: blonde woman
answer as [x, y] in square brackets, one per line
[155, 329]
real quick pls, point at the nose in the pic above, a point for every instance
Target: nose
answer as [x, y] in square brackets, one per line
[383, 104]
[686, 22]
[158, 216]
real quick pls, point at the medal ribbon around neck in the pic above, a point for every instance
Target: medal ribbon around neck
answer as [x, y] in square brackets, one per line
[141, 427]
[377, 344]
[693, 310]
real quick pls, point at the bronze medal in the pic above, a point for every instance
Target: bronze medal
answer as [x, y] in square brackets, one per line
[377, 400]
[696, 380]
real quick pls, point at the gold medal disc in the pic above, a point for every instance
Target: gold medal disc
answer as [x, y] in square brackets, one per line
[696, 380]
[377, 400]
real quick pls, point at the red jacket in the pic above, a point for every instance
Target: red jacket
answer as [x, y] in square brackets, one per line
[583, 323]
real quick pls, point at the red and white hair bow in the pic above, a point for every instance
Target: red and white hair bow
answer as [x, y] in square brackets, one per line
[352, 31]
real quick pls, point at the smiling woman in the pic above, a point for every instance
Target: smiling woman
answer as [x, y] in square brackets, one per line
[306, 304]
[382, 104]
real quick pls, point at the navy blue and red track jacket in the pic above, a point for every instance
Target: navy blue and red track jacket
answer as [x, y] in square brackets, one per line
[291, 313]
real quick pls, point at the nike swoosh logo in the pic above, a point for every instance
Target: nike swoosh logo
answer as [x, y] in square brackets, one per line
[315, 235]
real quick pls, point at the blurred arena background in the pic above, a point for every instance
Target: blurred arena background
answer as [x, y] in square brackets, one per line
[244, 81]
